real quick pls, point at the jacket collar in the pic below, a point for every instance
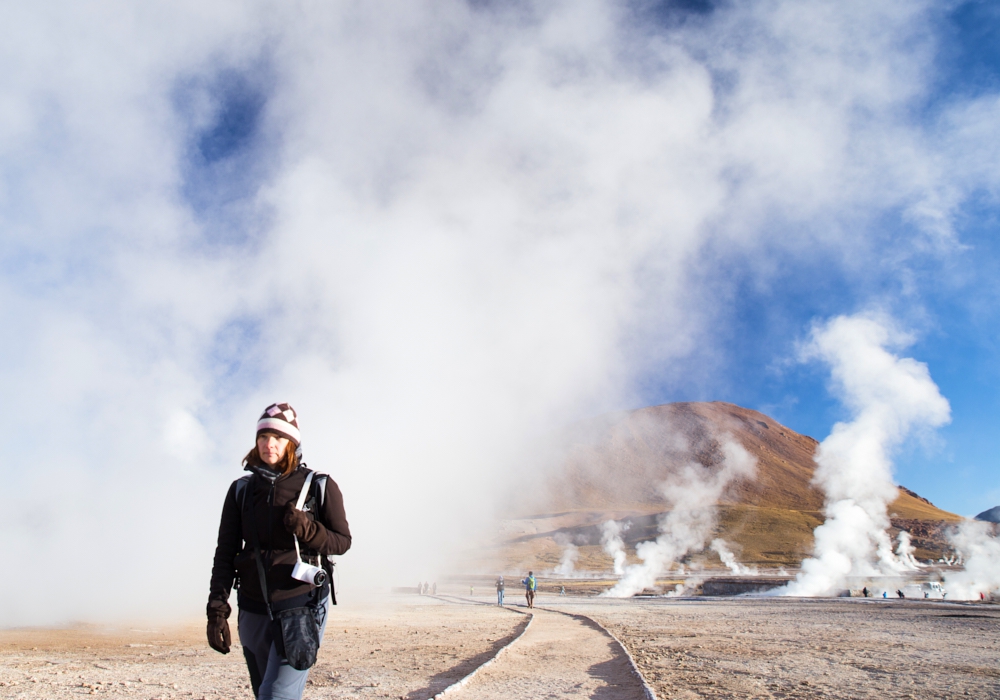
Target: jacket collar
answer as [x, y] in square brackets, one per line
[269, 474]
[262, 471]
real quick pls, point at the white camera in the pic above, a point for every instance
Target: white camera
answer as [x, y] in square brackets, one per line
[307, 573]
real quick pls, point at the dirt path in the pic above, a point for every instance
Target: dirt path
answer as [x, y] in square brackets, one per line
[559, 656]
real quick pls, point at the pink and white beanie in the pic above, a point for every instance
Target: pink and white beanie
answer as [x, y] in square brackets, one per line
[280, 418]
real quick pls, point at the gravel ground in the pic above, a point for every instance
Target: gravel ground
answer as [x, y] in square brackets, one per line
[413, 647]
[803, 648]
[405, 647]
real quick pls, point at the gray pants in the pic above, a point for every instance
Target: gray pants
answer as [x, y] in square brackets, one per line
[270, 675]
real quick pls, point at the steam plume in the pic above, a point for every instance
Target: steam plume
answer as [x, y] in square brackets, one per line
[567, 563]
[890, 398]
[614, 546]
[691, 493]
[729, 559]
[978, 546]
[905, 550]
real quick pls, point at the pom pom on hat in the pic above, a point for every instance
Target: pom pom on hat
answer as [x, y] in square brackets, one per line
[280, 418]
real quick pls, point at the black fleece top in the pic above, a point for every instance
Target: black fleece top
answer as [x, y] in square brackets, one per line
[234, 556]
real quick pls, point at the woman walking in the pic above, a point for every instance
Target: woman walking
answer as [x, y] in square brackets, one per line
[280, 511]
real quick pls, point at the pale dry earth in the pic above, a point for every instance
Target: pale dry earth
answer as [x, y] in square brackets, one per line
[807, 648]
[403, 647]
[559, 656]
[413, 647]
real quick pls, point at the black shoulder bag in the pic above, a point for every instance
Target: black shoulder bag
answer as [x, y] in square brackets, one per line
[295, 631]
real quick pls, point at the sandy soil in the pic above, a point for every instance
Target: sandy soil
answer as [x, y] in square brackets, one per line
[558, 656]
[785, 648]
[412, 647]
[404, 647]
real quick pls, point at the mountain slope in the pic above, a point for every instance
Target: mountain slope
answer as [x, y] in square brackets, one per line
[614, 468]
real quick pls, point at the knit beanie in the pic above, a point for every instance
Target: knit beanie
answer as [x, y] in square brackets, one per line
[280, 418]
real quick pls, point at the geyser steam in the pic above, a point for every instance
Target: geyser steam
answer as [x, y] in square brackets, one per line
[613, 544]
[691, 493]
[890, 398]
[567, 562]
[978, 546]
[905, 551]
[727, 557]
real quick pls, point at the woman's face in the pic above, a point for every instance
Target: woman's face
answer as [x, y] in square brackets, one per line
[271, 448]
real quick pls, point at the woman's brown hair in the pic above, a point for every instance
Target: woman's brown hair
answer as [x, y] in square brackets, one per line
[286, 465]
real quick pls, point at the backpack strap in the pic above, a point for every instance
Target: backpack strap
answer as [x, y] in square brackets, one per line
[241, 488]
[318, 493]
[319, 488]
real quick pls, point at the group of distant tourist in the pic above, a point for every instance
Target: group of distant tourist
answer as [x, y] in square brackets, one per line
[530, 584]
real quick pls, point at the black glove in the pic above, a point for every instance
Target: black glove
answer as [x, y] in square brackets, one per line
[300, 523]
[218, 626]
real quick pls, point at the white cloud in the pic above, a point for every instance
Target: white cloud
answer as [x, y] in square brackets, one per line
[458, 227]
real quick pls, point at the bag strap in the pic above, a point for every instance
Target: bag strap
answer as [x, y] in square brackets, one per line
[255, 541]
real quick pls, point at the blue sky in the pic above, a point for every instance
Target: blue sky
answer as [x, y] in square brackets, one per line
[443, 229]
[952, 310]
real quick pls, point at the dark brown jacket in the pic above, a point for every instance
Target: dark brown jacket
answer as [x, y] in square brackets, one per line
[234, 555]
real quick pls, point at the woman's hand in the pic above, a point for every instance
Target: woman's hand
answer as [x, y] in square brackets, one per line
[300, 523]
[218, 626]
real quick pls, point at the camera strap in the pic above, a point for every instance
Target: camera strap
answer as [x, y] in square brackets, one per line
[298, 506]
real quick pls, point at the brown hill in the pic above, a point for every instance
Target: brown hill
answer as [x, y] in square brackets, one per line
[613, 468]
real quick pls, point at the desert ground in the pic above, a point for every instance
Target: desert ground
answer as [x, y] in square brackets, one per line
[414, 647]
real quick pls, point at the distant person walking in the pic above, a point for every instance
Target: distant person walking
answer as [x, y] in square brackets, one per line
[530, 586]
[261, 524]
[499, 590]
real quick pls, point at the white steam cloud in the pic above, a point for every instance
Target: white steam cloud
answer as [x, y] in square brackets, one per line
[436, 228]
[691, 493]
[905, 551]
[890, 398]
[614, 545]
[727, 557]
[979, 549]
[567, 561]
